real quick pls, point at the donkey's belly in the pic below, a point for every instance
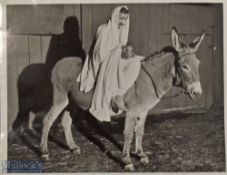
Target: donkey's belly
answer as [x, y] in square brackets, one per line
[83, 100]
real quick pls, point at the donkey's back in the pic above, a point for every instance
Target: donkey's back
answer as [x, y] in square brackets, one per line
[66, 72]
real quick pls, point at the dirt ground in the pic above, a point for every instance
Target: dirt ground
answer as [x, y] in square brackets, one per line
[174, 142]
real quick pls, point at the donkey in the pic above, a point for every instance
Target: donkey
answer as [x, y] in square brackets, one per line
[173, 66]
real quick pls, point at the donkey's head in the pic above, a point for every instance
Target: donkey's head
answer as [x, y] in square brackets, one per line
[187, 65]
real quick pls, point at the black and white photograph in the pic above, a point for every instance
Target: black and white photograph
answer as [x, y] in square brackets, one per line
[114, 87]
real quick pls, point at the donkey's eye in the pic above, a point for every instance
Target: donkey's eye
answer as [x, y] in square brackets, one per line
[185, 67]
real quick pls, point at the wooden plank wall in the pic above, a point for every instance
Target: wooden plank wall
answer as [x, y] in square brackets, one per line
[218, 63]
[32, 30]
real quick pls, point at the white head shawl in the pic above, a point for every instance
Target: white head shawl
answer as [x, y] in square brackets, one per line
[110, 36]
[115, 24]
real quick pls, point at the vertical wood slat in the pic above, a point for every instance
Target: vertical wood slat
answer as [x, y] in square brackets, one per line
[22, 53]
[12, 94]
[12, 80]
[35, 49]
[18, 60]
[144, 30]
[218, 64]
[68, 10]
[45, 44]
[134, 28]
[86, 26]
[208, 55]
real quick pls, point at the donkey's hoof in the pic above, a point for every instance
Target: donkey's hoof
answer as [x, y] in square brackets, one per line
[144, 160]
[45, 157]
[129, 167]
[76, 151]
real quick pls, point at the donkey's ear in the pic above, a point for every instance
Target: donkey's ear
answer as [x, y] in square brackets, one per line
[196, 42]
[176, 41]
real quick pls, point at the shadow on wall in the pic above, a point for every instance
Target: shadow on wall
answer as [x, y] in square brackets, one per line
[34, 87]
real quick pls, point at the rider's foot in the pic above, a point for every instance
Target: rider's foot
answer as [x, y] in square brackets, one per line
[114, 106]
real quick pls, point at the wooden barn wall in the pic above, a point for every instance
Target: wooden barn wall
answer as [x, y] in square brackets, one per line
[32, 29]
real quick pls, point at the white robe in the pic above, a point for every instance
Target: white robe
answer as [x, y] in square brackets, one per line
[105, 68]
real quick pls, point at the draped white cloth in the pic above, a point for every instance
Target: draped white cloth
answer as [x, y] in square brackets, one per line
[105, 68]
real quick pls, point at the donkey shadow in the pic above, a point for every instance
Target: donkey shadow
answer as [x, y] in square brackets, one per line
[35, 91]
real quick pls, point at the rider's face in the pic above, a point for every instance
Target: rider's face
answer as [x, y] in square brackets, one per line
[122, 19]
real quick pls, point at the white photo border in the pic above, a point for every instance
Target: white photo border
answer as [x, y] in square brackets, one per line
[3, 62]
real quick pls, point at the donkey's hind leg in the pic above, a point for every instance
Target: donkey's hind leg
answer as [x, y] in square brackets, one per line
[31, 120]
[60, 101]
[139, 129]
[67, 123]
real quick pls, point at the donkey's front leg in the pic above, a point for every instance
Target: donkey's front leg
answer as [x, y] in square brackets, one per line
[130, 122]
[139, 129]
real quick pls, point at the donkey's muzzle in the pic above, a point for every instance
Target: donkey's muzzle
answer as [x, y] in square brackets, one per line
[194, 89]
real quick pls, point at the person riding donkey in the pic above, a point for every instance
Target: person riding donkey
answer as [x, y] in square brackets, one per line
[108, 69]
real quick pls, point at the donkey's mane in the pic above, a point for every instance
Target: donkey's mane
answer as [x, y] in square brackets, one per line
[160, 53]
